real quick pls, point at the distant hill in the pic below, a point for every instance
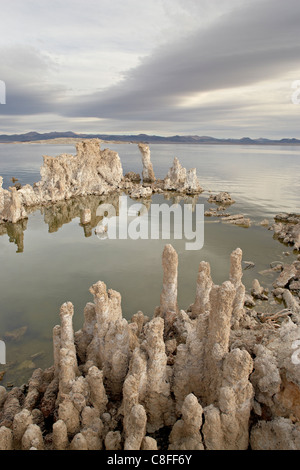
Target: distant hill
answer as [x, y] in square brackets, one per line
[184, 139]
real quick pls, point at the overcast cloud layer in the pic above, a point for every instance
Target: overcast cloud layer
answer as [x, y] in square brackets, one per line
[215, 67]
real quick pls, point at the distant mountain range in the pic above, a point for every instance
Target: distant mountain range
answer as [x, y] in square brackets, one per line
[186, 139]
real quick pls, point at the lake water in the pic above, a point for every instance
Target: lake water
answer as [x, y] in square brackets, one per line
[51, 258]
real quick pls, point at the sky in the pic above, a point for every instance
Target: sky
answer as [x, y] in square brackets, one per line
[224, 68]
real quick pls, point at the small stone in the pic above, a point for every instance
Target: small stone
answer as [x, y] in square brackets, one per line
[258, 291]
[248, 264]
[294, 285]
[288, 273]
[276, 264]
[16, 335]
[249, 302]
[223, 198]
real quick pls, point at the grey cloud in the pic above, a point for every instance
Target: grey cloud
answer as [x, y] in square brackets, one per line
[27, 74]
[257, 42]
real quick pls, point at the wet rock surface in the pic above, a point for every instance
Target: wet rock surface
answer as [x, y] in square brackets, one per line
[223, 198]
[287, 229]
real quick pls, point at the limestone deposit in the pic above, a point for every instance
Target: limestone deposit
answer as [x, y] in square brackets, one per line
[213, 376]
[148, 173]
[181, 180]
[223, 198]
[91, 172]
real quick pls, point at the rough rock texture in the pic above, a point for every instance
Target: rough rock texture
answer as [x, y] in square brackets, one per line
[236, 274]
[168, 298]
[278, 434]
[32, 437]
[289, 273]
[218, 212]
[185, 434]
[11, 208]
[214, 377]
[259, 292]
[223, 198]
[237, 219]
[204, 285]
[287, 289]
[287, 229]
[181, 180]
[292, 218]
[60, 435]
[90, 171]
[234, 219]
[138, 192]
[148, 173]
[132, 177]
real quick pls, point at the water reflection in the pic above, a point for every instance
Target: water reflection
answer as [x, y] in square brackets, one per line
[63, 212]
[15, 233]
[178, 198]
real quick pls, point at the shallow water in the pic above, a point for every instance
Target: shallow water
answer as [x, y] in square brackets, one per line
[58, 260]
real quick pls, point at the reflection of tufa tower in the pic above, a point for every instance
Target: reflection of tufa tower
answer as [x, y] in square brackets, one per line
[2, 352]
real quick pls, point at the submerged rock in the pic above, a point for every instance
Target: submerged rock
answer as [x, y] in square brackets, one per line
[292, 218]
[259, 292]
[223, 198]
[288, 273]
[287, 229]
[16, 335]
[237, 219]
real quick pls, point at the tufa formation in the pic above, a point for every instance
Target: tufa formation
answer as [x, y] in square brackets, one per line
[212, 377]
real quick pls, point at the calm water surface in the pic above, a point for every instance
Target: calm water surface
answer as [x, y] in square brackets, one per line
[51, 258]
